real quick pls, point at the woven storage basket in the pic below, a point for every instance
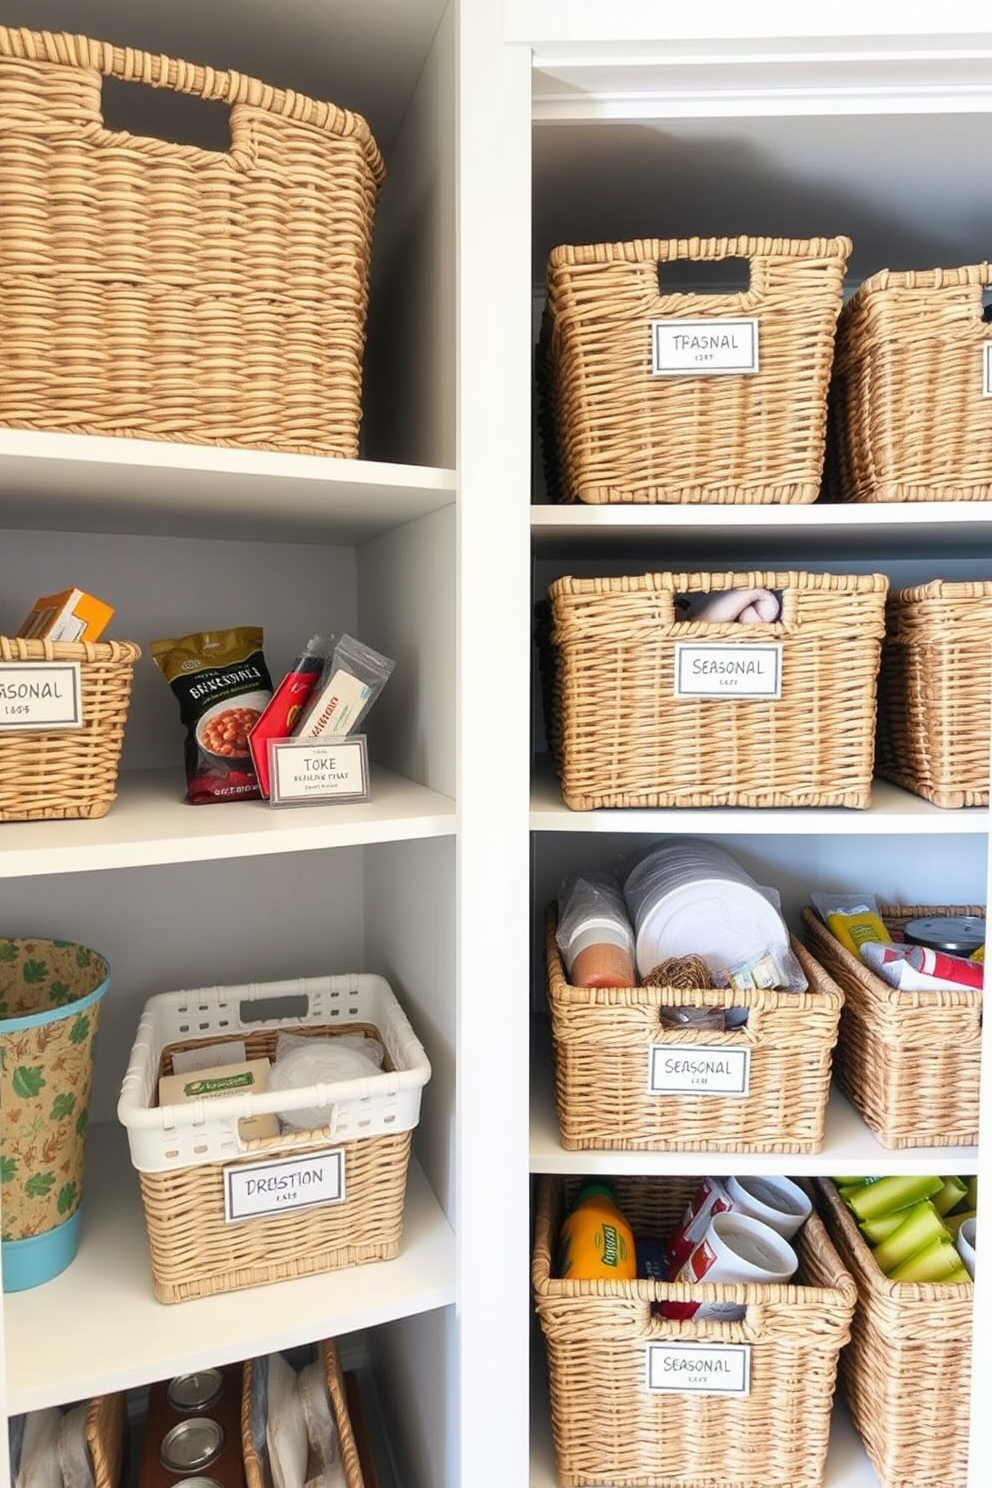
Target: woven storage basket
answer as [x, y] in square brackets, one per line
[257, 1472]
[935, 692]
[188, 1156]
[906, 1374]
[627, 435]
[622, 737]
[603, 1040]
[909, 421]
[68, 772]
[165, 291]
[610, 1430]
[909, 1061]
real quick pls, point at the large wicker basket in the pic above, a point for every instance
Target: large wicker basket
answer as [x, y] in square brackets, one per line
[190, 1157]
[622, 737]
[106, 1438]
[69, 772]
[909, 1061]
[909, 418]
[907, 1371]
[165, 291]
[610, 1430]
[603, 1041]
[625, 434]
[935, 692]
[257, 1473]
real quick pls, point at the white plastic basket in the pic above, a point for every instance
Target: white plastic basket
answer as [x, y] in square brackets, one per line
[165, 1138]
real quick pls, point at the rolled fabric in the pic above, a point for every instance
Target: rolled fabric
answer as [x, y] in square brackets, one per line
[748, 606]
[919, 969]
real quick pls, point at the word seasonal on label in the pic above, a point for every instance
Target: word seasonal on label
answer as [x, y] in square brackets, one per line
[698, 1069]
[328, 769]
[724, 669]
[285, 1184]
[40, 695]
[712, 348]
[699, 1368]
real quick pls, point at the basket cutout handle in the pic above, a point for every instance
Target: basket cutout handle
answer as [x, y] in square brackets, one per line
[707, 264]
[723, 276]
[274, 1009]
[168, 118]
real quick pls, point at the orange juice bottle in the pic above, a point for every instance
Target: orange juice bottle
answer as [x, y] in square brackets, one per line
[597, 1243]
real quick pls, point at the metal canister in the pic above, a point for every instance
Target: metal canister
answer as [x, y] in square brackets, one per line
[957, 935]
[192, 1444]
[198, 1483]
[196, 1392]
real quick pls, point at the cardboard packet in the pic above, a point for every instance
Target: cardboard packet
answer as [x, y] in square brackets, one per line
[249, 1078]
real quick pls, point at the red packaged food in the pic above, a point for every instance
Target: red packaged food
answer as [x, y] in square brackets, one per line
[223, 687]
[288, 701]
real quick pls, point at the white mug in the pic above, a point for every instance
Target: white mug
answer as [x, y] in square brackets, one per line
[777, 1202]
[967, 1243]
[734, 1248]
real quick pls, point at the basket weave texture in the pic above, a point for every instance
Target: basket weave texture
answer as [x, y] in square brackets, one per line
[165, 291]
[602, 1042]
[609, 1430]
[906, 1374]
[909, 421]
[196, 1253]
[909, 1061]
[625, 434]
[256, 1474]
[622, 738]
[935, 692]
[106, 1427]
[69, 772]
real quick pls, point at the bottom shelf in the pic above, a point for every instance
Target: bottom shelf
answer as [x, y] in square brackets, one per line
[111, 1333]
[847, 1464]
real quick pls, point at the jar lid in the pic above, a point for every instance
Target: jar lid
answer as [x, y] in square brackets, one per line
[194, 1443]
[959, 935]
[195, 1392]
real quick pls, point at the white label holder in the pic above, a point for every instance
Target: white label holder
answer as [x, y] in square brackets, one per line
[987, 370]
[698, 1368]
[40, 695]
[720, 669]
[698, 1069]
[315, 771]
[703, 348]
[284, 1185]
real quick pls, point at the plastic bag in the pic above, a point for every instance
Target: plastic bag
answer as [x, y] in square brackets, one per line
[302, 1062]
[769, 968]
[350, 684]
[853, 918]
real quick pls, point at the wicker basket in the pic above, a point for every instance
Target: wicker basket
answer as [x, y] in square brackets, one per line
[189, 1156]
[622, 737]
[626, 434]
[69, 772]
[907, 1372]
[169, 292]
[603, 1040]
[909, 1061]
[257, 1474]
[909, 421]
[610, 1430]
[935, 693]
[106, 1438]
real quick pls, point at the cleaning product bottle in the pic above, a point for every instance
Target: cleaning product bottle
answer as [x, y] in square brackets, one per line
[597, 1243]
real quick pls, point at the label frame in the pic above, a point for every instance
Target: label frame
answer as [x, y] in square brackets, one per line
[236, 1169]
[656, 1350]
[659, 368]
[685, 649]
[987, 369]
[282, 750]
[734, 1052]
[74, 670]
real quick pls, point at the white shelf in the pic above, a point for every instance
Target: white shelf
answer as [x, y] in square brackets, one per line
[98, 1327]
[85, 483]
[892, 810]
[847, 1465]
[849, 1147]
[150, 824]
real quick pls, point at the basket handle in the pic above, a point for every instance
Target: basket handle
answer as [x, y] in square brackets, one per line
[712, 250]
[788, 621]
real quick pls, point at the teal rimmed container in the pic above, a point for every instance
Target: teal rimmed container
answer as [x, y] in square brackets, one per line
[50, 998]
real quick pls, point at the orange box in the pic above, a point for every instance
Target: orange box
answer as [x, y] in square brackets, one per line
[70, 616]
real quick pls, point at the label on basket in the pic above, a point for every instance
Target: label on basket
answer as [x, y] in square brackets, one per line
[723, 669]
[289, 1183]
[698, 1069]
[987, 370]
[40, 695]
[711, 348]
[699, 1368]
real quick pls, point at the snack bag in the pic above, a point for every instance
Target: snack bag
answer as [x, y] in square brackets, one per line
[223, 687]
[852, 918]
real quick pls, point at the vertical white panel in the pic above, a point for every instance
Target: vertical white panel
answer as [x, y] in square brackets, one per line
[493, 772]
[416, 1378]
